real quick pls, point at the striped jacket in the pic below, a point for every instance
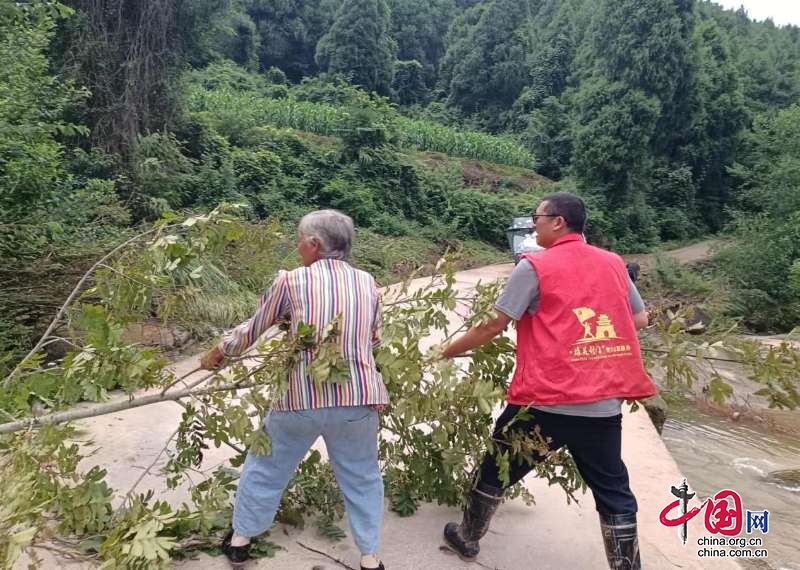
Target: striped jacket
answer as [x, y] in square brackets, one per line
[316, 295]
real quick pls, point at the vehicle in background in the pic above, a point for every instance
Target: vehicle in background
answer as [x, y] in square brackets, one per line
[522, 240]
[522, 237]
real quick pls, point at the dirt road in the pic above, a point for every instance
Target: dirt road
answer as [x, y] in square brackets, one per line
[694, 253]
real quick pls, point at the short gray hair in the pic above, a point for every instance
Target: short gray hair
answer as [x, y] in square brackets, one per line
[334, 231]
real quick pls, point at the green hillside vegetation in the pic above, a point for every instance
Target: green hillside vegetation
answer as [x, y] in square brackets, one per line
[171, 147]
[665, 134]
[408, 211]
[251, 109]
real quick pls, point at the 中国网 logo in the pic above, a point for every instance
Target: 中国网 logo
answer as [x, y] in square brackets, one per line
[723, 513]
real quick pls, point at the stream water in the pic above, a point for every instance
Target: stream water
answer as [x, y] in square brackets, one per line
[718, 453]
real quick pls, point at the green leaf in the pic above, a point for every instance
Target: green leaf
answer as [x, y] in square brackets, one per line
[719, 390]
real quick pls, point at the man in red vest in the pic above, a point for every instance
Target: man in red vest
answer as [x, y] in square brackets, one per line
[578, 358]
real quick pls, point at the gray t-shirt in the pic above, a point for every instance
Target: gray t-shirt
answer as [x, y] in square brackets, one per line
[521, 294]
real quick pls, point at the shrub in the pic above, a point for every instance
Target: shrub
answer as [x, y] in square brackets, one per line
[478, 215]
[760, 271]
[352, 198]
[674, 224]
[393, 225]
[160, 170]
[225, 75]
[671, 279]
[256, 170]
[364, 133]
[214, 180]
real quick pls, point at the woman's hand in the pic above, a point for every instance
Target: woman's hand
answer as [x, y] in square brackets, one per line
[211, 359]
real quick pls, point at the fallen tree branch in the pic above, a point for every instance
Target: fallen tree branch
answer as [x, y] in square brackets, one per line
[182, 378]
[703, 357]
[328, 556]
[75, 291]
[271, 333]
[105, 409]
[233, 446]
[129, 494]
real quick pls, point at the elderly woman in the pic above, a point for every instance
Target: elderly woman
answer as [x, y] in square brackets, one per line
[344, 414]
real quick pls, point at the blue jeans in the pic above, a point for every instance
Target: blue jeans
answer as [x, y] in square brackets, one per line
[351, 437]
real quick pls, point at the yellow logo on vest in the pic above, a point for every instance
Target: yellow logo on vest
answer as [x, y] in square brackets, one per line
[600, 339]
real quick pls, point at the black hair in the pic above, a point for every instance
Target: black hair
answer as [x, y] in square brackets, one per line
[568, 206]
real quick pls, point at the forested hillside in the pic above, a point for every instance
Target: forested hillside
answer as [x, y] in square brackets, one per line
[156, 156]
[659, 113]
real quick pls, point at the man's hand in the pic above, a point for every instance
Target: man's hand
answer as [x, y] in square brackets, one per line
[211, 359]
[477, 335]
[433, 355]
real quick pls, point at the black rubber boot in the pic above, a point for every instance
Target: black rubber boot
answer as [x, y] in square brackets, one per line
[481, 505]
[237, 555]
[621, 541]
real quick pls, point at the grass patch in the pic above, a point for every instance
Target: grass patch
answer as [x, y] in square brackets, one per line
[392, 259]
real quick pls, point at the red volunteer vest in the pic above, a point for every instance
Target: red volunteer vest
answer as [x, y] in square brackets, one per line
[580, 345]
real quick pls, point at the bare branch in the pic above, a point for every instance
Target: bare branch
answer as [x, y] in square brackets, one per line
[129, 494]
[111, 408]
[659, 351]
[183, 378]
[75, 291]
[328, 556]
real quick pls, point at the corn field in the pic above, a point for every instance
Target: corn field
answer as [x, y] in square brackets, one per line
[250, 110]
[425, 135]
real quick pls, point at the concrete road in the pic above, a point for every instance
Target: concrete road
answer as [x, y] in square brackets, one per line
[550, 534]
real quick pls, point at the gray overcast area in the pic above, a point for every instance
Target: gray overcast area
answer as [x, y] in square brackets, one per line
[781, 11]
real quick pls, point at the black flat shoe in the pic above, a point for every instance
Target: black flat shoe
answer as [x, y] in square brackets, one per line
[236, 555]
[380, 567]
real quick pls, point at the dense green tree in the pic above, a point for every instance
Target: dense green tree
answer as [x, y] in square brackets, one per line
[128, 54]
[289, 31]
[769, 170]
[551, 67]
[768, 64]
[549, 136]
[633, 110]
[767, 57]
[556, 30]
[409, 82]
[486, 63]
[359, 45]
[718, 122]
[455, 48]
[646, 44]
[212, 30]
[613, 133]
[420, 28]
[762, 262]
[33, 107]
